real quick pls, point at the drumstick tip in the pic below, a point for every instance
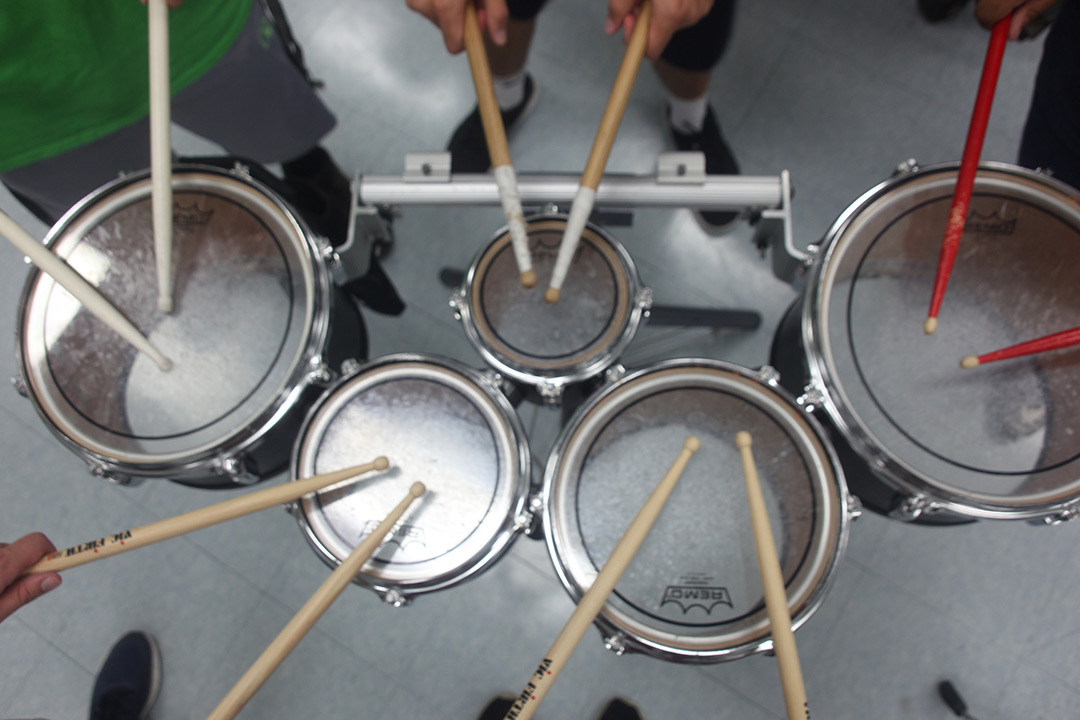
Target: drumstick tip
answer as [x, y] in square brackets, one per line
[165, 304]
[417, 489]
[381, 463]
[693, 444]
[551, 295]
[969, 362]
[164, 363]
[930, 325]
[742, 439]
[528, 279]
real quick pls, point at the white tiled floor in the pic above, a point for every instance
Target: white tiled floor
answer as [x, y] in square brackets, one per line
[838, 92]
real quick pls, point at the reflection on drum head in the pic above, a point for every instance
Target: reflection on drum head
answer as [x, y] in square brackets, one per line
[436, 426]
[1003, 430]
[693, 589]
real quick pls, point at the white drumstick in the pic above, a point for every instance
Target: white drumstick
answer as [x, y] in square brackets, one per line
[498, 148]
[776, 601]
[309, 614]
[161, 150]
[77, 285]
[593, 601]
[605, 138]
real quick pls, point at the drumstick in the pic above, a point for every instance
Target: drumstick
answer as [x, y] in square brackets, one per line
[776, 602]
[161, 150]
[90, 297]
[969, 165]
[593, 601]
[309, 614]
[605, 138]
[1056, 341]
[196, 519]
[498, 147]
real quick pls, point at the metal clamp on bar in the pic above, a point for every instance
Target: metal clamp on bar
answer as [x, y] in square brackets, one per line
[687, 168]
[368, 226]
[774, 229]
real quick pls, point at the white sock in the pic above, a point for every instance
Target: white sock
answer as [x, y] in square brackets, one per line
[510, 91]
[688, 116]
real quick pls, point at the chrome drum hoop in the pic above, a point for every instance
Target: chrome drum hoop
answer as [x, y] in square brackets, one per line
[269, 252]
[408, 407]
[637, 616]
[1003, 199]
[507, 345]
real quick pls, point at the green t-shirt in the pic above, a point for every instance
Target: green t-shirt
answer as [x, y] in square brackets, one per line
[72, 71]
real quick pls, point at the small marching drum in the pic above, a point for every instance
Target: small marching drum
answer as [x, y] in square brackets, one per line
[693, 592]
[255, 312]
[440, 423]
[550, 346]
[920, 437]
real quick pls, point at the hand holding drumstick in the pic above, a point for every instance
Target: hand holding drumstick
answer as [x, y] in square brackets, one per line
[196, 519]
[593, 601]
[776, 602]
[310, 613]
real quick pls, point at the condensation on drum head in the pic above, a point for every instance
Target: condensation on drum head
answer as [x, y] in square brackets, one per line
[533, 341]
[251, 309]
[998, 441]
[693, 591]
[440, 424]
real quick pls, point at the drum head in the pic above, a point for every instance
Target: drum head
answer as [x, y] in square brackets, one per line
[579, 336]
[999, 440]
[247, 297]
[439, 424]
[693, 591]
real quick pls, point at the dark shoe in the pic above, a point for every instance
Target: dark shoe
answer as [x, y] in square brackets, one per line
[938, 10]
[127, 684]
[718, 161]
[321, 194]
[619, 709]
[497, 708]
[376, 291]
[468, 146]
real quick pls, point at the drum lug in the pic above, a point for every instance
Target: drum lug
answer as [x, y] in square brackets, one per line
[20, 385]
[550, 392]
[350, 366]
[811, 398]
[241, 170]
[616, 643]
[320, 373]
[1072, 512]
[644, 300]
[528, 521]
[235, 469]
[913, 508]
[615, 373]
[907, 167]
[457, 302]
[854, 507]
[769, 375]
[98, 469]
[395, 598]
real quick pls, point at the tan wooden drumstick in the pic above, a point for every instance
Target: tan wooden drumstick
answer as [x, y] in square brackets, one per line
[776, 601]
[90, 297]
[309, 614]
[593, 601]
[196, 519]
[605, 138]
[161, 150]
[498, 147]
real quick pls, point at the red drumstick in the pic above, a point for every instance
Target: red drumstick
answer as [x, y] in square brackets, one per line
[969, 164]
[1057, 341]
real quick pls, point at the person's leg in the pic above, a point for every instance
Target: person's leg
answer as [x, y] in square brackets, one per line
[684, 69]
[1051, 138]
[515, 91]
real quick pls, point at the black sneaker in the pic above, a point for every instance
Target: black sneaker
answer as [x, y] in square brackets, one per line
[939, 10]
[127, 684]
[619, 709]
[468, 146]
[718, 161]
[497, 708]
[321, 194]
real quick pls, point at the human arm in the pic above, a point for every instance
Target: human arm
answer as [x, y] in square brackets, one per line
[988, 12]
[16, 591]
[668, 16]
[449, 17]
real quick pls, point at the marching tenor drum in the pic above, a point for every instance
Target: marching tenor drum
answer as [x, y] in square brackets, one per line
[440, 423]
[693, 592]
[550, 346]
[256, 329]
[921, 438]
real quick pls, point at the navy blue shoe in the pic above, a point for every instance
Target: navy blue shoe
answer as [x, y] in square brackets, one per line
[619, 709]
[127, 684]
[719, 160]
[468, 145]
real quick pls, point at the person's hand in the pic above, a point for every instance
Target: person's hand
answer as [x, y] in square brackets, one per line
[16, 591]
[667, 17]
[988, 12]
[449, 16]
